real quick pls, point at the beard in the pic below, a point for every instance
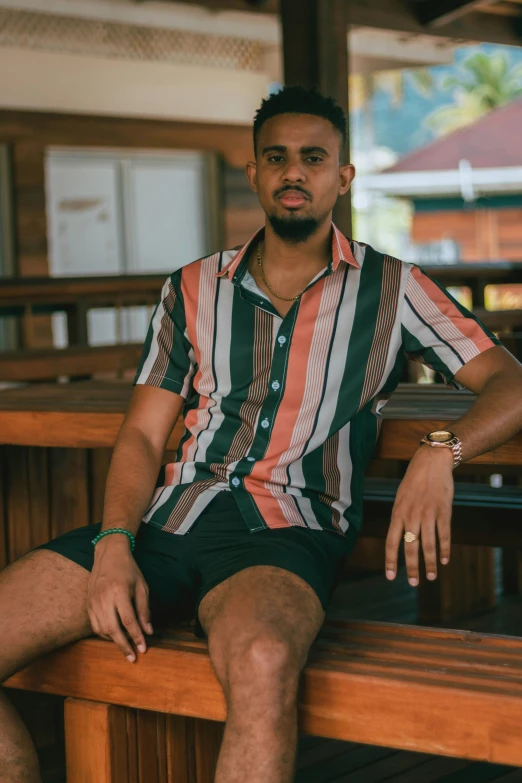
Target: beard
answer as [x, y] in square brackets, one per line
[293, 229]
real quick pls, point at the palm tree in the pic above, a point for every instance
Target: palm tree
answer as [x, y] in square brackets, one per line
[486, 81]
[364, 86]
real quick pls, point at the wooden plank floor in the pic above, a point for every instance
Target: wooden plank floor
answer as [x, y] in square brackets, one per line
[330, 761]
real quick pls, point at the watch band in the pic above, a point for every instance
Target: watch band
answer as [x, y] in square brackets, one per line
[457, 453]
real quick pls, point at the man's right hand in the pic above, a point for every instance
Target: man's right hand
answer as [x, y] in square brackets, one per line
[118, 596]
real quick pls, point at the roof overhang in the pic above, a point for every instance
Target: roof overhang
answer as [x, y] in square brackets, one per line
[433, 184]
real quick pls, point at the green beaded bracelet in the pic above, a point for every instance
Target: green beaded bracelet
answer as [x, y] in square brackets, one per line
[116, 530]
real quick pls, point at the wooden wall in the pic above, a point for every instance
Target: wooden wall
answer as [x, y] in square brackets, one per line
[483, 234]
[28, 134]
[45, 492]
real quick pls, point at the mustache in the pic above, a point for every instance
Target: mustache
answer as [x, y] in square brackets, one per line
[293, 188]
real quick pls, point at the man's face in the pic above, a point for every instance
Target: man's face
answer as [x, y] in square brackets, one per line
[297, 173]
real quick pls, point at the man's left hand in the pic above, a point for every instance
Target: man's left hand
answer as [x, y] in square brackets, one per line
[423, 507]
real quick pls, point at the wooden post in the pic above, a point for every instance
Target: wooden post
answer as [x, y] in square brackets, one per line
[512, 571]
[315, 52]
[3, 507]
[77, 327]
[95, 742]
[30, 226]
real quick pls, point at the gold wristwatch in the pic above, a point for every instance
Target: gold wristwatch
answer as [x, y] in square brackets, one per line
[445, 439]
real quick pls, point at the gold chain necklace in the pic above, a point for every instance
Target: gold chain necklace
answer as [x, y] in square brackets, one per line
[284, 298]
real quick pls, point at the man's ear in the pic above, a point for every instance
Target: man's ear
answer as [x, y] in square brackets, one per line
[251, 172]
[346, 175]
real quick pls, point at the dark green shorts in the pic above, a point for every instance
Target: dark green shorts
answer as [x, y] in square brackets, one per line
[181, 569]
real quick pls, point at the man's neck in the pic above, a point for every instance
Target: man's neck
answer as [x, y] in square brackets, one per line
[315, 253]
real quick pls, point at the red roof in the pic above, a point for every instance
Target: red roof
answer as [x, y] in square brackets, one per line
[492, 142]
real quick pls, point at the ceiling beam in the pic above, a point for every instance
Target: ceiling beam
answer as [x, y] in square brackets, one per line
[266, 6]
[436, 13]
[261, 6]
[399, 16]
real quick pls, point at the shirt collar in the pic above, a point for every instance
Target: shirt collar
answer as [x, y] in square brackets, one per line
[341, 251]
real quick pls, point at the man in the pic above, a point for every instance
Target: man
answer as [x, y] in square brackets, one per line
[279, 356]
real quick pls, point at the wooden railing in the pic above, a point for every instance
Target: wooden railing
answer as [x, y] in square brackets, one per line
[33, 296]
[27, 299]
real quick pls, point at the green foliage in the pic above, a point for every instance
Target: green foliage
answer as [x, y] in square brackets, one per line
[484, 82]
[364, 86]
[423, 81]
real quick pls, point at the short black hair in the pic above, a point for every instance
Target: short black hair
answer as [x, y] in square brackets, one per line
[296, 99]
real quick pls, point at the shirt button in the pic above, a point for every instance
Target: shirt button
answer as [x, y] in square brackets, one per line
[235, 482]
[251, 459]
[276, 385]
[281, 340]
[265, 424]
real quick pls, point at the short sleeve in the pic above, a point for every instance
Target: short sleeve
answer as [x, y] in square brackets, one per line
[167, 360]
[437, 330]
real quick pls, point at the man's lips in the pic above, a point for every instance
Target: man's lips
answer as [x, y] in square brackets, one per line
[292, 198]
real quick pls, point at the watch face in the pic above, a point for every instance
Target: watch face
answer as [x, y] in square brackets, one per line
[440, 436]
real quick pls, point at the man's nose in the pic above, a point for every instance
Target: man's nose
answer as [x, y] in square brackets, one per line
[294, 172]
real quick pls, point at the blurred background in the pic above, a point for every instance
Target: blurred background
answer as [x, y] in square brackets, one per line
[125, 126]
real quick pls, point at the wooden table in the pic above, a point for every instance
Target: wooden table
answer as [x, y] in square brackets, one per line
[89, 415]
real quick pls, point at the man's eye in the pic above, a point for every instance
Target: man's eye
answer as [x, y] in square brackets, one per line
[314, 159]
[275, 158]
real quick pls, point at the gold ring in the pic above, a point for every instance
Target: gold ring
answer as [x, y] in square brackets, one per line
[410, 537]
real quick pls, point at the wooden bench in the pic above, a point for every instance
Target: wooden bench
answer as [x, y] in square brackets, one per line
[454, 693]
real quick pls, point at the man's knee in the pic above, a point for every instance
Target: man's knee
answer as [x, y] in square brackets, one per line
[270, 656]
[260, 668]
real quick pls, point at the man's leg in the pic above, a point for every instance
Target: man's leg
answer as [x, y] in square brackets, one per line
[260, 624]
[43, 599]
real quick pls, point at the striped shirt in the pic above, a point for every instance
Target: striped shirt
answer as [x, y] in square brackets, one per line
[285, 412]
